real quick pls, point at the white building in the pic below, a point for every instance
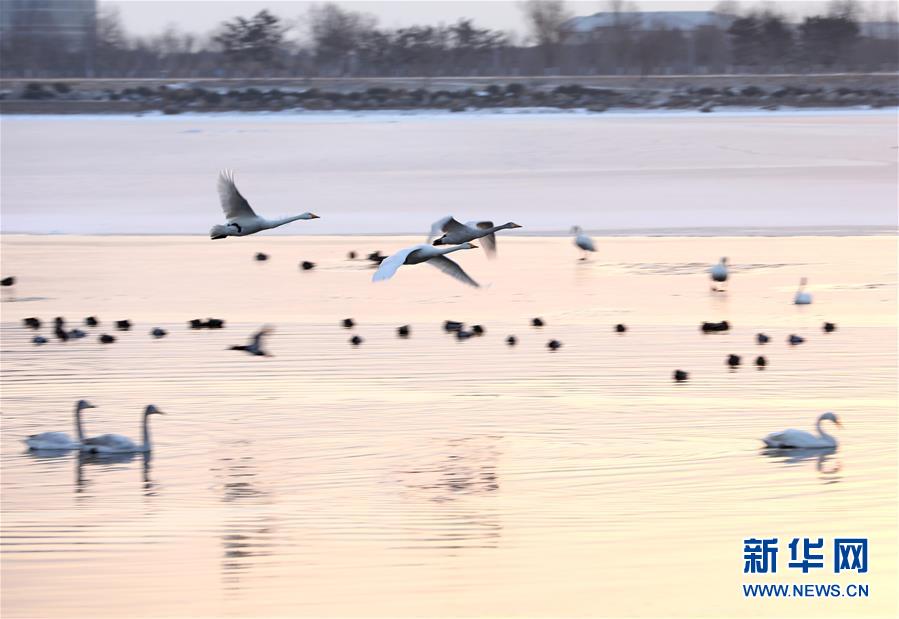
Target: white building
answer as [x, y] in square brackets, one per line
[588, 28]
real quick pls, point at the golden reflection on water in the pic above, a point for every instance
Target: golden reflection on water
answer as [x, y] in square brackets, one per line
[428, 476]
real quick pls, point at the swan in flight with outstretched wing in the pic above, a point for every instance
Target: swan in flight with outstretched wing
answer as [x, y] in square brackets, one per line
[425, 253]
[801, 439]
[455, 233]
[242, 220]
[583, 241]
[60, 440]
[118, 444]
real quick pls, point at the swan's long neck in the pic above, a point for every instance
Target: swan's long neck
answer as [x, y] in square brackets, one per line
[78, 429]
[824, 435]
[447, 250]
[146, 432]
[487, 231]
[274, 223]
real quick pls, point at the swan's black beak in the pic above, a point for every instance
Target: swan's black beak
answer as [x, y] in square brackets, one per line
[438, 241]
[313, 216]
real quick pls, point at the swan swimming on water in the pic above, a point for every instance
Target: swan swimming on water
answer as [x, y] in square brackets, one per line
[583, 241]
[242, 220]
[456, 233]
[802, 297]
[425, 253]
[804, 440]
[118, 444]
[60, 440]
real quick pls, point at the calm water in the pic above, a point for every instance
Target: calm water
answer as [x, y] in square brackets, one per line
[430, 477]
[394, 173]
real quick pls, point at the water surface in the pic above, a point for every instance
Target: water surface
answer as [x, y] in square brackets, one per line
[431, 477]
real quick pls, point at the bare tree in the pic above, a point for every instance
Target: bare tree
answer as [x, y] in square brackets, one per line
[548, 22]
[338, 34]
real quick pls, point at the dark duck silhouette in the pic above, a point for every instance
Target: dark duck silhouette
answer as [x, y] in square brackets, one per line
[255, 345]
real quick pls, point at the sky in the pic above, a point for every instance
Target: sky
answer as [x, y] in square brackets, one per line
[145, 17]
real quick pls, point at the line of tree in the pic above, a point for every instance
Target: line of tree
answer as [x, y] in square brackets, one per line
[333, 41]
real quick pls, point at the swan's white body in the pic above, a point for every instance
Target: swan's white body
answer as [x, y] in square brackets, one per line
[802, 297]
[118, 444]
[242, 220]
[424, 253]
[719, 271]
[456, 233]
[800, 439]
[51, 441]
[583, 241]
[59, 441]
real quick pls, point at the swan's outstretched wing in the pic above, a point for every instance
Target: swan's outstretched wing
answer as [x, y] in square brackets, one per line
[488, 241]
[447, 225]
[233, 204]
[437, 227]
[391, 263]
[451, 268]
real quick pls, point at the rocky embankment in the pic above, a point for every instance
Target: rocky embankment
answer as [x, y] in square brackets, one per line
[595, 94]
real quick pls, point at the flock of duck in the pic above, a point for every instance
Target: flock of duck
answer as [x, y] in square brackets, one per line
[446, 236]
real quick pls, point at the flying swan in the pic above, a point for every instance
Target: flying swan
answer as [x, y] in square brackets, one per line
[425, 253]
[456, 233]
[242, 220]
[60, 440]
[802, 439]
[118, 444]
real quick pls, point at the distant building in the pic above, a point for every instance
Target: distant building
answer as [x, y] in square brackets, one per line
[70, 23]
[590, 27]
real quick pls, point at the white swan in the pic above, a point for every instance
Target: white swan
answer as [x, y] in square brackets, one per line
[583, 241]
[804, 440]
[117, 444]
[719, 272]
[60, 440]
[241, 218]
[802, 297]
[456, 233]
[424, 253]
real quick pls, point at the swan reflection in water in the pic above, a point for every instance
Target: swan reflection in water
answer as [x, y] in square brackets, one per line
[825, 462]
[459, 477]
[106, 461]
[101, 461]
[246, 533]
